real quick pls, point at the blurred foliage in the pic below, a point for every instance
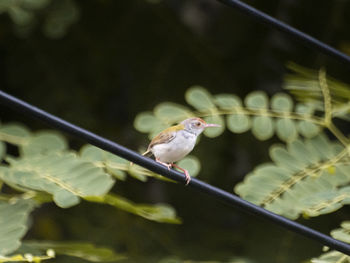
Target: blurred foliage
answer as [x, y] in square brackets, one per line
[14, 226]
[177, 260]
[57, 15]
[46, 169]
[342, 234]
[99, 63]
[75, 249]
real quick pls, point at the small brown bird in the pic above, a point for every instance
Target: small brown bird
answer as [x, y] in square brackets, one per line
[174, 143]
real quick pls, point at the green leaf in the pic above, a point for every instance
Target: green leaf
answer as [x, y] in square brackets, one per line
[199, 98]
[326, 202]
[228, 101]
[282, 102]
[43, 143]
[13, 223]
[15, 129]
[305, 85]
[284, 158]
[330, 257]
[286, 129]
[214, 131]
[160, 212]
[85, 251]
[64, 176]
[257, 100]
[171, 112]
[303, 179]
[302, 152]
[308, 129]
[263, 127]
[2, 150]
[238, 123]
[320, 145]
[146, 122]
[14, 133]
[101, 158]
[191, 164]
[20, 16]
[114, 165]
[341, 234]
[306, 109]
[24, 258]
[257, 116]
[92, 153]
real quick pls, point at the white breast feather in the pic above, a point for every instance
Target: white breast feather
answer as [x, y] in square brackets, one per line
[176, 149]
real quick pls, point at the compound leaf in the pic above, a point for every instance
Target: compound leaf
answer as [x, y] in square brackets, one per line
[160, 212]
[44, 142]
[13, 223]
[64, 176]
[305, 178]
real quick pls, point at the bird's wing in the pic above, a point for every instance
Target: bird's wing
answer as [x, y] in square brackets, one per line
[165, 136]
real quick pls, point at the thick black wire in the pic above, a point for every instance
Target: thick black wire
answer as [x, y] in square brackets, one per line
[150, 164]
[289, 30]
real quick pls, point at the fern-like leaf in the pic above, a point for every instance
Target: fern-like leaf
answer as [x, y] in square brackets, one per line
[13, 223]
[263, 116]
[63, 175]
[342, 234]
[159, 212]
[303, 179]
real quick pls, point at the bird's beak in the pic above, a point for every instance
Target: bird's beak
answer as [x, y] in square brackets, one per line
[212, 125]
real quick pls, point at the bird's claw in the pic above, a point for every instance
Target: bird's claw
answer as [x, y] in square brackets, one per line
[188, 177]
[168, 165]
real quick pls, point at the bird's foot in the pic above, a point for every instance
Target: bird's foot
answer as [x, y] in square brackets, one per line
[187, 175]
[169, 165]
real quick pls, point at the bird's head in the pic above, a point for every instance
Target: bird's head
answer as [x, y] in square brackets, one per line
[196, 125]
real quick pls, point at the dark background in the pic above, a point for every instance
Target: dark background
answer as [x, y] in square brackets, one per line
[97, 63]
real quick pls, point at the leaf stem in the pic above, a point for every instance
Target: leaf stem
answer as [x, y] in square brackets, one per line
[16, 140]
[338, 134]
[326, 96]
[263, 112]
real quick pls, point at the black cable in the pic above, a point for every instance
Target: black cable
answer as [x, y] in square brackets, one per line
[283, 27]
[150, 164]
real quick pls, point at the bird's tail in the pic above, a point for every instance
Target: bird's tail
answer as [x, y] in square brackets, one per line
[145, 153]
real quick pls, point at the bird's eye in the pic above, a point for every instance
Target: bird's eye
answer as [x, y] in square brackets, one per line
[198, 124]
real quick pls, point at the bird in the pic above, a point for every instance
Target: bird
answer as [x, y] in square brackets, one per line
[175, 142]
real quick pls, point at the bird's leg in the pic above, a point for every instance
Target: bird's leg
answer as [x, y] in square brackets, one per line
[188, 177]
[169, 165]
